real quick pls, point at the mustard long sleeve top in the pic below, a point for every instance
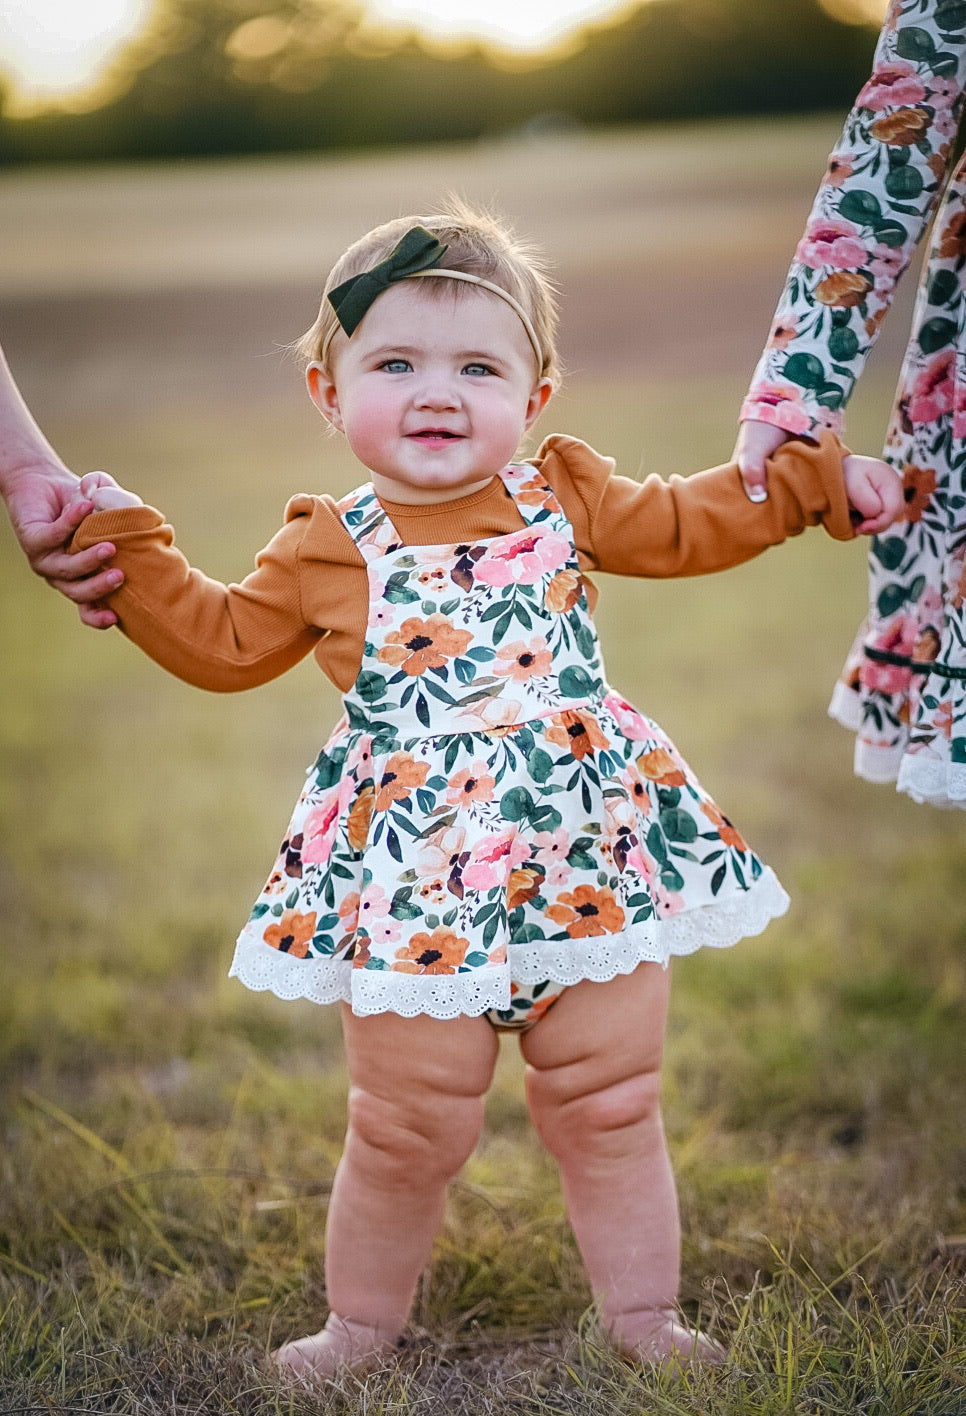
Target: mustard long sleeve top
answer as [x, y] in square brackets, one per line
[309, 589]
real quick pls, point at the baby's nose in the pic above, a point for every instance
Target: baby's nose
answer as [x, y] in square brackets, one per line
[438, 393]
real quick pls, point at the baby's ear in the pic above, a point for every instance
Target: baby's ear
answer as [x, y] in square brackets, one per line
[538, 400]
[323, 393]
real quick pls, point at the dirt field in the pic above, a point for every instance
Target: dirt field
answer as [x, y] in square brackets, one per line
[177, 285]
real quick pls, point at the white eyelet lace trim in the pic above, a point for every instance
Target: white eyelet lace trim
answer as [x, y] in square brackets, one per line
[717, 926]
[929, 780]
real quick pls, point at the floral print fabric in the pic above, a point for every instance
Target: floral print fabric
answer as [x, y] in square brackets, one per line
[902, 689]
[489, 820]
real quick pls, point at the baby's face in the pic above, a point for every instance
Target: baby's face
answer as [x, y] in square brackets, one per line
[433, 390]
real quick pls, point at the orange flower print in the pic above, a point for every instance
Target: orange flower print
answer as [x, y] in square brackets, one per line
[360, 815]
[564, 590]
[902, 128]
[587, 911]
[577, 730]
[534, 493]
[918, 485]
[637, 789]
[843, 288]
[434, 579]
[400, 775]
[723, 826]
[292, 934]
[659, 766]
[943, 719]
[523, 884]
[421, 644]
[520, 661]
[782, 334]
[441, 952]
[472, 784]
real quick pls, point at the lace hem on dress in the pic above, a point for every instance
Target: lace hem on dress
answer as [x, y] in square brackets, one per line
[601, 958]
[927, 779]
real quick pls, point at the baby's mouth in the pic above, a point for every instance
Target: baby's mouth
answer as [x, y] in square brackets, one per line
[435, 434]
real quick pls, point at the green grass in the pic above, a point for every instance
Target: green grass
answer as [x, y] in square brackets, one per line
[168, 1140]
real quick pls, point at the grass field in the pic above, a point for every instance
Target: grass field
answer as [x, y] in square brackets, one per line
[168, 1139]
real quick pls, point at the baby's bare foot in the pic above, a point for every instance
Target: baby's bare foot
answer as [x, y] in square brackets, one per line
[658, 1337]
[360, 1347]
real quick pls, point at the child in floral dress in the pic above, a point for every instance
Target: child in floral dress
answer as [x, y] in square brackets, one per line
[903, 688]
[492, 838]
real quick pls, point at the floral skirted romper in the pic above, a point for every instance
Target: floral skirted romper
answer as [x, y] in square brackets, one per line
[903, 688]
[489, 822]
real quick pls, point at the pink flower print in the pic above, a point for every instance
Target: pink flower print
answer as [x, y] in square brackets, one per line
[831, 242]
[382, 615]
[318, 833]
[374, 906]
[887, 262]
[941, 90]
[550, 847]
[522, 558]
[384, 931]
[779, 404]
[619, 815]
[930, 606]
[893, 85]
[631, 723]
[934, 389]
[642, 865]
[492, 859]
[898, 637]
[521, 661]
[358, 760]
[666, 902]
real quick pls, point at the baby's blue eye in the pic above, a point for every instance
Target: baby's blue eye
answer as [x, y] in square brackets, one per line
[396, 366]
[477, 370]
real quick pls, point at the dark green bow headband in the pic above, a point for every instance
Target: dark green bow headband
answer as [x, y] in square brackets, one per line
[418, 250]
[418, 253]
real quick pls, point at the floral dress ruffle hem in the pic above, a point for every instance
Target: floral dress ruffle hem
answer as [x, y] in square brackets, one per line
[488, 813]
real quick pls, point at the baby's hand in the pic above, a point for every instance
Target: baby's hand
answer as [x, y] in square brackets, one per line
[104, 492]
[874, 490]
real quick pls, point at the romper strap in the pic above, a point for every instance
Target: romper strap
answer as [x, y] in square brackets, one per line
[365, 520]
[535, 499]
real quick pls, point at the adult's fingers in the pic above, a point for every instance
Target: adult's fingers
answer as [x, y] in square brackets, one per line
[89, 590]
[756, 443]
[97, 616]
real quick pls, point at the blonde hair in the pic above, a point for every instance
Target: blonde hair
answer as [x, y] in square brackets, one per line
[477, 244]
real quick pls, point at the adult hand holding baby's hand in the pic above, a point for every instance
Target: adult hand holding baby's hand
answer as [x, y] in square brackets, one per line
[874, 490]
[106, 495]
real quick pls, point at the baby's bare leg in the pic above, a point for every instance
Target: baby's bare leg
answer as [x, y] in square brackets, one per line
[593, 1083]
[416, 1089]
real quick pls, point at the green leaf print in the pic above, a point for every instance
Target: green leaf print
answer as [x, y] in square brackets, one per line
[717, 879]
[540, 764]
[517, 804]
[951, 15]
[476, 960]
[576, 682]
[678, 825]
[915, 44]
[670, 878]
[936, 334]
[889, 551]
[805, 370]
[370, 686]
[292, 899]
[942, 287]
[861, 207]
[397, 591]
[843, 344]
[904, 184]
[891, 233]
[465, 670]
[392, 843]
[891, 598]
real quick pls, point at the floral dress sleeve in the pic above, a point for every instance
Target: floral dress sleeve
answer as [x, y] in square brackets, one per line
[883, 181]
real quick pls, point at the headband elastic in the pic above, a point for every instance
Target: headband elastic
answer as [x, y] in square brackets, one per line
[413, 258]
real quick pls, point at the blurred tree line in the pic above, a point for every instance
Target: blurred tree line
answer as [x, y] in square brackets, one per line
[244, 76]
